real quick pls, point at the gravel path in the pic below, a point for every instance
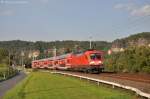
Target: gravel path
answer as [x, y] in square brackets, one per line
[10, 83]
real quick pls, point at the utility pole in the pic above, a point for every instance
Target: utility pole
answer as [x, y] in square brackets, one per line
[54, 51]
[22, 60]
[90, 38]
[9, 57]
[54, 54]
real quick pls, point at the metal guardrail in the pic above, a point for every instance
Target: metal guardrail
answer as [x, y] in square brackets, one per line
[137, 91]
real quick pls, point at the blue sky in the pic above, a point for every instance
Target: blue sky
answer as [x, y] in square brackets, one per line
[50, 20]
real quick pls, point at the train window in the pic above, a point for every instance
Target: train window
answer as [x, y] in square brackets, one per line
[68, 61]
[56, 62]
[95, 56]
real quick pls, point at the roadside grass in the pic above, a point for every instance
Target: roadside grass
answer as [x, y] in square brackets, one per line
[40, 85]
[1, 78]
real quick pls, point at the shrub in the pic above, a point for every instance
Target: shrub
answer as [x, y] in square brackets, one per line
[135, 59]
[146, 69]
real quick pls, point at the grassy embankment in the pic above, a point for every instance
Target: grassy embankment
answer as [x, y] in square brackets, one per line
[53, 86]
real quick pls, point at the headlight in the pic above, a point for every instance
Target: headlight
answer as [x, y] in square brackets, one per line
[92, 62]
[99, 62]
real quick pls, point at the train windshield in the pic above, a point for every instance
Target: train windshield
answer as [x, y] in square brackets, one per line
[95, 56]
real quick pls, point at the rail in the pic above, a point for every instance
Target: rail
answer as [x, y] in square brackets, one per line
[137, 91]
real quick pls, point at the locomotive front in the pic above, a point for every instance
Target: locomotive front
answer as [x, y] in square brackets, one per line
[95, 61]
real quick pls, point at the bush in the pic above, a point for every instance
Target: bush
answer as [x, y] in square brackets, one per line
[7, 72]
[3, 65]
[135, 59]
[146, 69]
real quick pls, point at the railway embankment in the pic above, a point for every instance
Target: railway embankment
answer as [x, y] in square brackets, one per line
[119, 80]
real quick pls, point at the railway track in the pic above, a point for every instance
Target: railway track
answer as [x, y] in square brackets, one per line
[122, 76]
[129, 78]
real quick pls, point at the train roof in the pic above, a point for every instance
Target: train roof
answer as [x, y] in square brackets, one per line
[69, 54]
[93, 51]
[63, 56]
[57, 57]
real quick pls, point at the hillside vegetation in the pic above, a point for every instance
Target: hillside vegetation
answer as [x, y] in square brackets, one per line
[139, 39]
[133, 59]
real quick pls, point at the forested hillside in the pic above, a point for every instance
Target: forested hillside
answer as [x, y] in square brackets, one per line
[134, 58]
[17, 47]
[139, 39]
[41, 45]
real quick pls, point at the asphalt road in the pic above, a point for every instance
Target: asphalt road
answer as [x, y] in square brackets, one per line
[10, 83]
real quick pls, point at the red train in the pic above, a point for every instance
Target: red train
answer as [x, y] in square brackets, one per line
[88, 61]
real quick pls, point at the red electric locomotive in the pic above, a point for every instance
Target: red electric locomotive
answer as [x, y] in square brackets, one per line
[88, 61]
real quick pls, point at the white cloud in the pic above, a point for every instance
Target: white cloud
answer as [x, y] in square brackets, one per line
[14, 2]
[134, 9]
[142, 11]
[128, 7]
[6, 12]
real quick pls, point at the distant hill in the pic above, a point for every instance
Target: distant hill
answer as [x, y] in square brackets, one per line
[139, 39]
[133, 40]
[42, 45]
